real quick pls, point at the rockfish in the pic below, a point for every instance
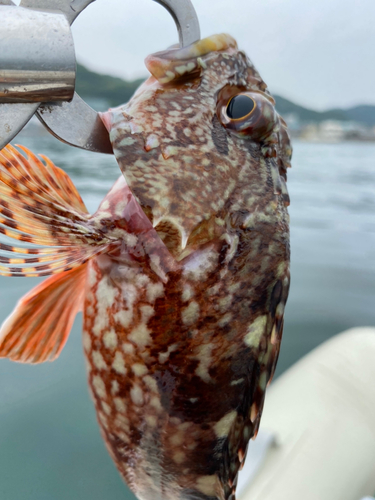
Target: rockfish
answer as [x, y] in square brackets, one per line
[182, 274]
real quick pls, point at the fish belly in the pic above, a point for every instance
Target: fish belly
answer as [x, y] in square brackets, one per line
[178, 366]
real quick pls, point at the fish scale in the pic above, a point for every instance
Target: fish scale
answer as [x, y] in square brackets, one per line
[182, 274]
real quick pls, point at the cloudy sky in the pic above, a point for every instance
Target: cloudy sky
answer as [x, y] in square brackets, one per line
[319, 53]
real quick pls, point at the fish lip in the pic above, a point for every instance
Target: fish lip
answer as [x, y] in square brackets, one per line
[106, 118]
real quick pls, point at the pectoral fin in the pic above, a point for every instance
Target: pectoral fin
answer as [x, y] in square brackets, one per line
[39, 326]
[41, 208]
[43, 212]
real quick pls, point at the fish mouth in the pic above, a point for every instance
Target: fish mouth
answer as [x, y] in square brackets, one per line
[182, 240]
[172, 234]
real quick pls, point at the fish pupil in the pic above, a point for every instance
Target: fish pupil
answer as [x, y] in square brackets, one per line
[240, 106]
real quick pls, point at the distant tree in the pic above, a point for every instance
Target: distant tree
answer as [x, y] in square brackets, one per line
[96, 86]
[305, 115]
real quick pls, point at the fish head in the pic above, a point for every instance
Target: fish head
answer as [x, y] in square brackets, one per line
[200, 136]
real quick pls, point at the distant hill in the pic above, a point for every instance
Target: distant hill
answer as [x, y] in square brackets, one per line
[364, 114]
[116, 91]
[286, 107]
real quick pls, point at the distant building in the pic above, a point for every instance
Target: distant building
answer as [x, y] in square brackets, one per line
[333, 131]
[310, 132]
[293, 122]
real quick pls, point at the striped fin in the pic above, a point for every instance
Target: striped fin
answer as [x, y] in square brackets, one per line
[41, 208]
[39, 326]
[46, 177]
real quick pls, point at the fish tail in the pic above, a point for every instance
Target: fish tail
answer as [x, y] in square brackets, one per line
[42, 210]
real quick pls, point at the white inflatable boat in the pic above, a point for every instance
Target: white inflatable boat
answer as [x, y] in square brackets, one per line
[317, 436]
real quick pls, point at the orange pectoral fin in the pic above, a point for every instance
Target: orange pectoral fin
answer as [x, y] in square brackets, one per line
[39, 326]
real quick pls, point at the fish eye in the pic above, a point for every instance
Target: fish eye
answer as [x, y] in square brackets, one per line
[240, 106]
[247, 113]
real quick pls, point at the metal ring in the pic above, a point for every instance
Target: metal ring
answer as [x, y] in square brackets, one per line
[186, 20]
[75, 122]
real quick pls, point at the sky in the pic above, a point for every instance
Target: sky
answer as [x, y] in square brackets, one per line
[318, 53]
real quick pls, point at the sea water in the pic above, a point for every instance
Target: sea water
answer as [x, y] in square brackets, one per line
[50, 447]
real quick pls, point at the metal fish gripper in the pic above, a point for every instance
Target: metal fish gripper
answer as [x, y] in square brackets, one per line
[38, 69]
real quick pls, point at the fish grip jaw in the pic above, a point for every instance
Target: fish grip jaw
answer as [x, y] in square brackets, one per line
[45, 85]
[41, 70]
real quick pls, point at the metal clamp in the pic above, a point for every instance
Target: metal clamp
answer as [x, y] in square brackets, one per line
[38, 69]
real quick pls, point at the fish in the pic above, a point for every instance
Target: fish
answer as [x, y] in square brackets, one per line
[182, 274]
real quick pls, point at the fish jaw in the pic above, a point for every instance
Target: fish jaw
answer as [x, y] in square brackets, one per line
[180, 161]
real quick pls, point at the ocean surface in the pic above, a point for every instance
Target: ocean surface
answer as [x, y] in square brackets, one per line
[50, 446]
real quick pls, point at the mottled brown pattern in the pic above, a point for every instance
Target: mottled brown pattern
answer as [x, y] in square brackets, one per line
[215, 193]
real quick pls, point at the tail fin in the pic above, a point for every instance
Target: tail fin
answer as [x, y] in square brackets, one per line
[41, 208]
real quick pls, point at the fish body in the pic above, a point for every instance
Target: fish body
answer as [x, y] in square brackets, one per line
[182, 274]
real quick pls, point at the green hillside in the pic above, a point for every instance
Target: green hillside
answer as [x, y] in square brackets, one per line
[285, 107]
[364, 114]
[116, 91]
